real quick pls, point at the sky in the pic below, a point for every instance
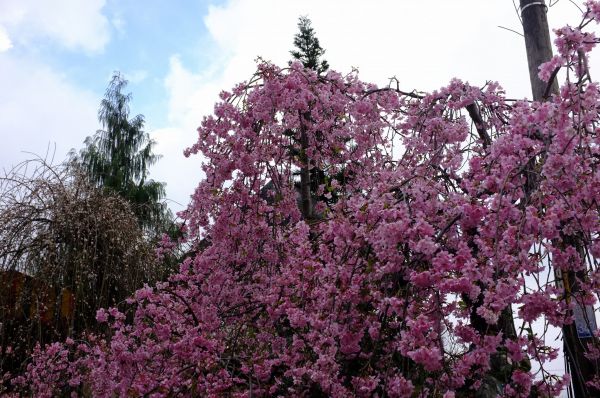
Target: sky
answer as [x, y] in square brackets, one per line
[57, 57]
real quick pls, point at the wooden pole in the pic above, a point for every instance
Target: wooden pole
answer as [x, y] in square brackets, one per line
[539, 50]
[537, 44]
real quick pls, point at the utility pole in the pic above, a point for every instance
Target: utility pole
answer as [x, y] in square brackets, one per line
[538, 45]
[576, 335]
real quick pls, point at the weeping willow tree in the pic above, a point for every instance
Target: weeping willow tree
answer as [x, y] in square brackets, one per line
[67, 249]
[118, 156]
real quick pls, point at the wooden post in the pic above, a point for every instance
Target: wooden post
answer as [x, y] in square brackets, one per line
[539, 50]
[537, 44]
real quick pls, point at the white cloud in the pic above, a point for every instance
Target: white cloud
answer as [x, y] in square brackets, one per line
[5, 43]
[186, 92]
[118, 23]
[136, 76]
[41, 110]
[74, 24]
[423, 43]
[180, 173]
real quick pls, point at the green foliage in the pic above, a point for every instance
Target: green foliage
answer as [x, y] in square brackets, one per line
[118, 156]
[309, 51]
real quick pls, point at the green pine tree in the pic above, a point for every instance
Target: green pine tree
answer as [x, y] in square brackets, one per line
[118, 156]
[309, 51]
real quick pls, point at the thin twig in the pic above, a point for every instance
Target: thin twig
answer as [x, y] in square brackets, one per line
[511, 30]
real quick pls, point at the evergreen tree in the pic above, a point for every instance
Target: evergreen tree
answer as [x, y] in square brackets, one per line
[118, 156]
[309, 51]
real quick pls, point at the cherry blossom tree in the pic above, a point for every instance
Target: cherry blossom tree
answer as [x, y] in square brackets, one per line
[415, 281]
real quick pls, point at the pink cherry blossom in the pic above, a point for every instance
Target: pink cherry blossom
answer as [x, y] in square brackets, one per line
[401, 281]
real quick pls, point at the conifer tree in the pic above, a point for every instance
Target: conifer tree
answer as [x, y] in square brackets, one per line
[309, 51]
[118, 156]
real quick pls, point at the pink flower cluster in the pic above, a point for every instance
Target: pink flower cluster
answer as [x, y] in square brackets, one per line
[401, 284]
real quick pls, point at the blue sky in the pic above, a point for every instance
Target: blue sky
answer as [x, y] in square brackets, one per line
[56, 58]
[136, 38]
[144, 35]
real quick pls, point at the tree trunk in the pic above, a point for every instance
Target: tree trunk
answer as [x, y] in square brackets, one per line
[305, 194]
